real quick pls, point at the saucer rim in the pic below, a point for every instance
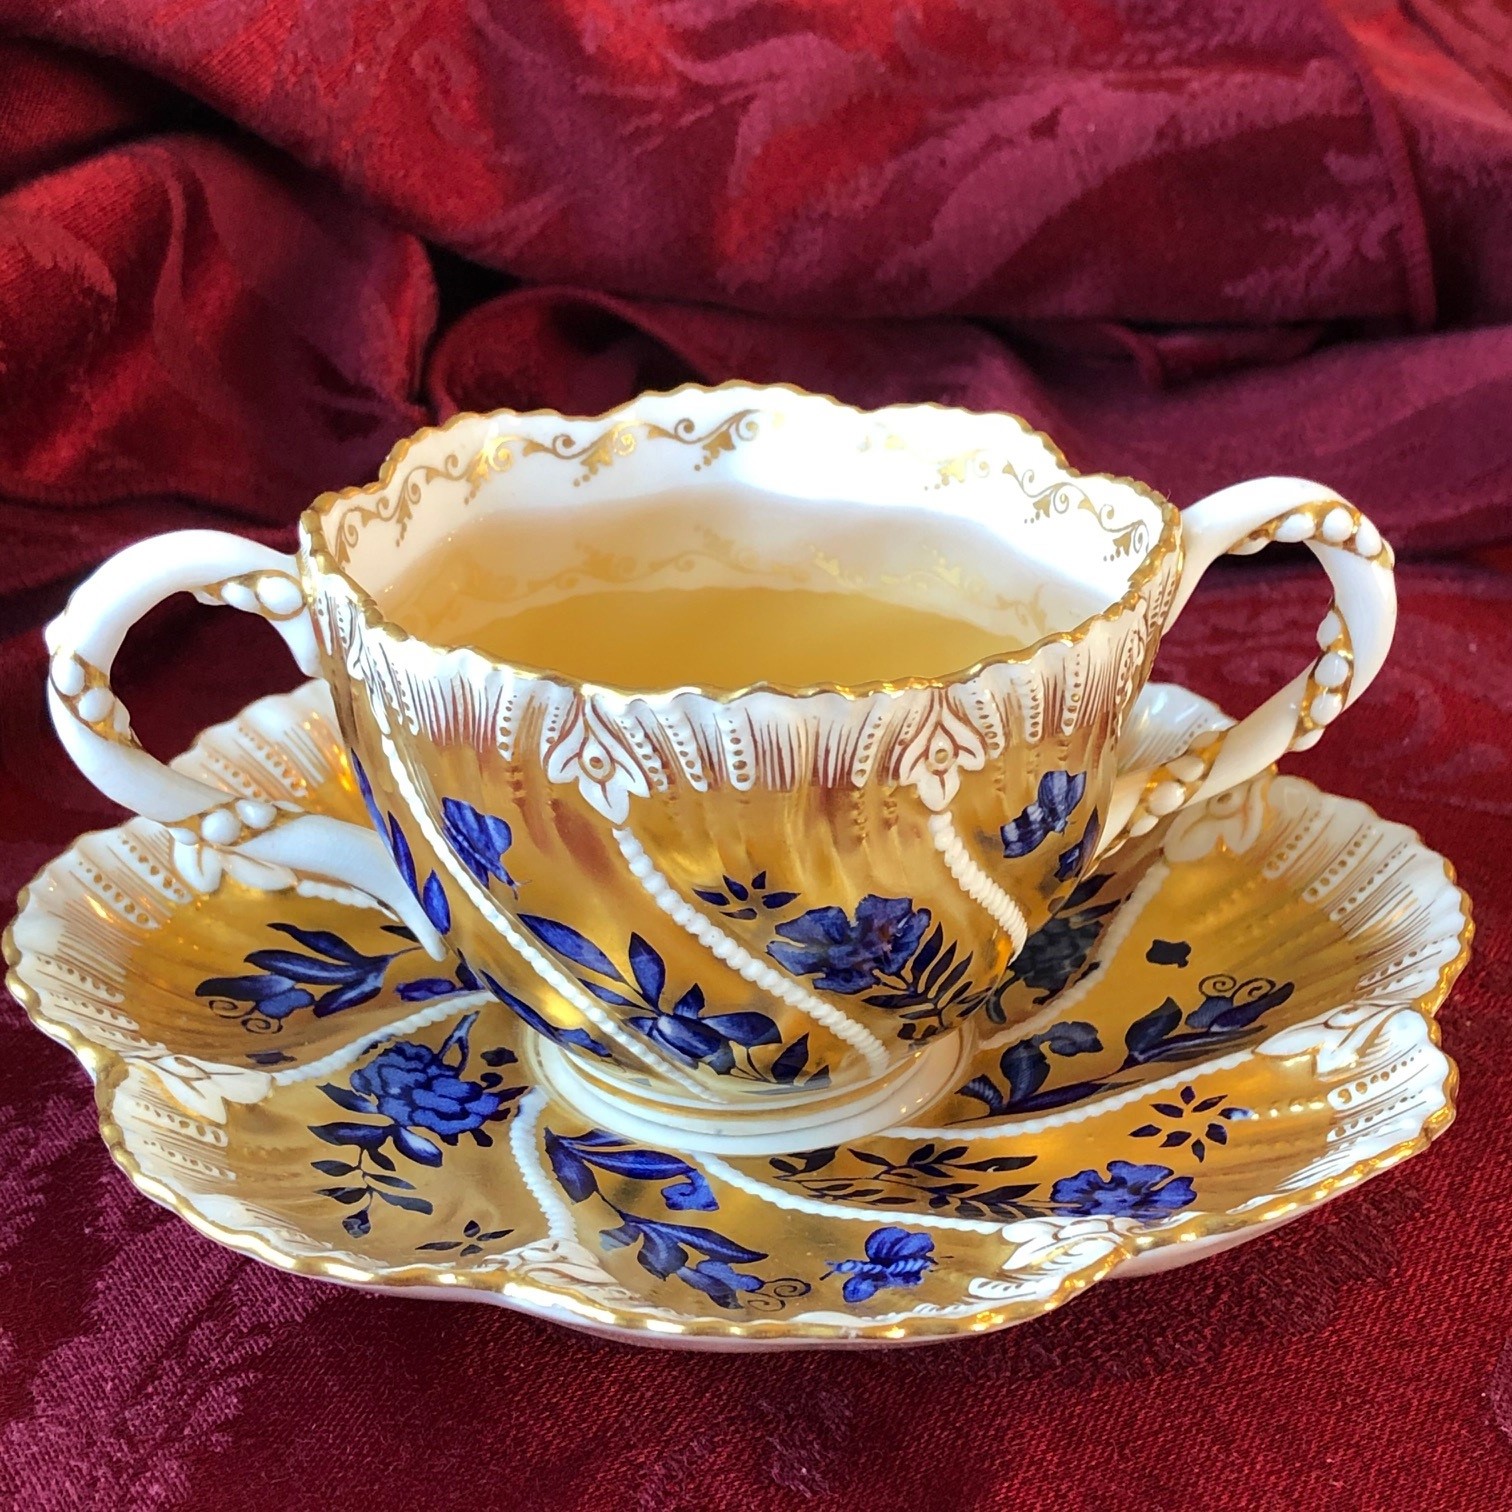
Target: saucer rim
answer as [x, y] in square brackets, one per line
[109, 1071]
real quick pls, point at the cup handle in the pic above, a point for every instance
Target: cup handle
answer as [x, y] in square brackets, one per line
[213, 830]
[1353, 639]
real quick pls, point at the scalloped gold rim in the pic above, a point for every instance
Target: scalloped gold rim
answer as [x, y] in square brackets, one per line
[317, 552]
[109, 1070]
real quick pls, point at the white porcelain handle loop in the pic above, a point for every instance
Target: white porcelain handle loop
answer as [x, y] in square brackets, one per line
[1353, 640]
[95, 728]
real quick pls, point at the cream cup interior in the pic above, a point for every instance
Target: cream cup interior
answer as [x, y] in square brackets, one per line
[968, 515]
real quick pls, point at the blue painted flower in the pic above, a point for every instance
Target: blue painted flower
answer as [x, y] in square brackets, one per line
[335, 976]
[1147, 1192]
[1050, 813]
[894, 1257]
[412, 1085]
[848, 955]
[415, 1087]
[479, 840]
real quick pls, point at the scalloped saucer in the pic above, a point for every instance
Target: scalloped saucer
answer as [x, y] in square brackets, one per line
[1229, 1025]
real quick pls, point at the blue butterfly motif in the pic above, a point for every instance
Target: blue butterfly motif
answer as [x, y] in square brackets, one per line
[1049, 814]
[894, 1257]
[1074, 860]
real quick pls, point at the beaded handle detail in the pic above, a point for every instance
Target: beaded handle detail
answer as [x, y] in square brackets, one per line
[1353, 640]
[214, 827]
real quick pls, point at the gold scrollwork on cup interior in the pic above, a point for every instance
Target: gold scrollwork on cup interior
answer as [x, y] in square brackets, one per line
[351, 513]
[1127, 537]
[394, 506]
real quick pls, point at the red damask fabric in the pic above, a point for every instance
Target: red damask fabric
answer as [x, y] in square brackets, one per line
[246, 246]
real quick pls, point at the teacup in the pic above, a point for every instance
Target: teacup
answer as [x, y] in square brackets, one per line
[793, 905]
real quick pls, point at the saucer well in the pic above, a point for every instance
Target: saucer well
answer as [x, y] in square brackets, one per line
[1229, 1024]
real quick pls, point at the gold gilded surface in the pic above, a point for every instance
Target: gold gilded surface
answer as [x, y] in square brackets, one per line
[1267, 967]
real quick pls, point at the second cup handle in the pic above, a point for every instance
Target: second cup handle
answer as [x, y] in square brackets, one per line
[1353, 641]
[205, 821]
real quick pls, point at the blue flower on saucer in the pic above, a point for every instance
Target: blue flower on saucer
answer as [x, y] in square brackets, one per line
[413, 1087]
[1147, 1192]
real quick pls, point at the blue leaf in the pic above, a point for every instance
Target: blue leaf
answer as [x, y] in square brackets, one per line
[566, 941]
[690, 1004]
[1026, 1066]
[403, 857]
[744, 1028]
[738, 892]
[353, 995]
[618, 1238]
[691, 1194]
[357, 1224]
[1073, 1038]
[778, 899]
[369, 1136]
[416, 1147]
[789, 1065]
[609, 995]
[301, 968]
[366, 789]
[649, 968]
[1145, 1034]
[433, 901]
[709, 895]
[640, 1165]
[706, 1241]
[426, 988]
[353, 1102]
[570, 1170]
[659, 1252]
[323, 941]
[411, 1204]
[984, 1090]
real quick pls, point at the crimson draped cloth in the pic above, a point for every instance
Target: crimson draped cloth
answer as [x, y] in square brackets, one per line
[245, 246]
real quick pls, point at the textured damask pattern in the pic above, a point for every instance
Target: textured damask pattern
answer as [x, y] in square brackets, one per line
[1314, 202]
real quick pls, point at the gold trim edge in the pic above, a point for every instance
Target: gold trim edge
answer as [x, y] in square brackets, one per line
[324, 559]
[108, 1071]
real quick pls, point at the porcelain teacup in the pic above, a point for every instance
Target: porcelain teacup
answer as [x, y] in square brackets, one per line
[764, 907]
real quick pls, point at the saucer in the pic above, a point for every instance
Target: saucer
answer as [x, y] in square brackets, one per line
[1229, 1024]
